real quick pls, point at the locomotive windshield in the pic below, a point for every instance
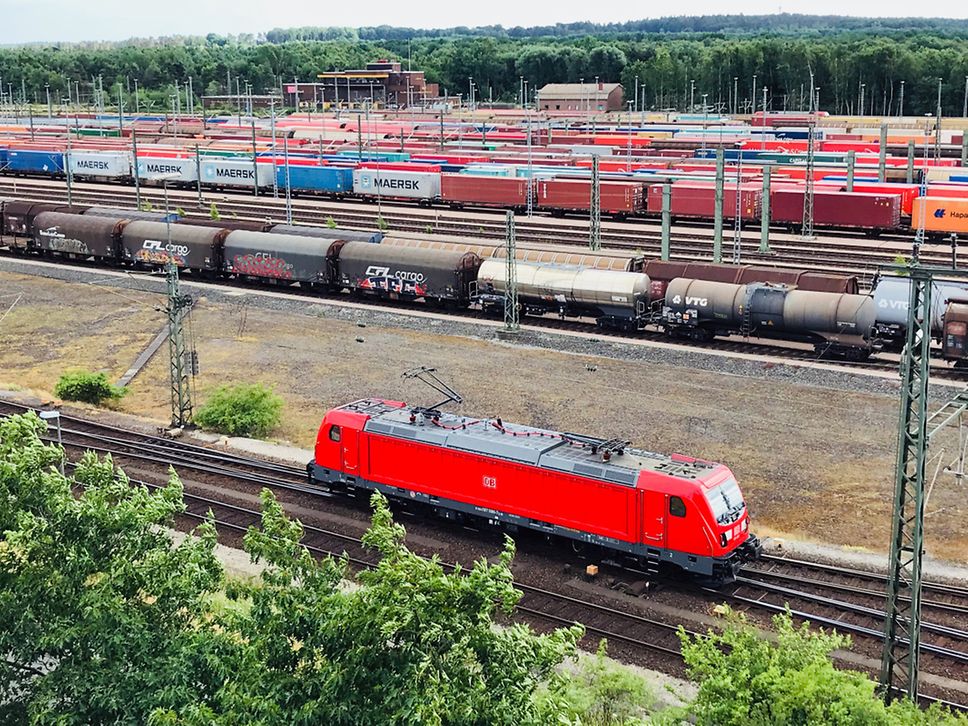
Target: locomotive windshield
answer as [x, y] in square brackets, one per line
[726, 501]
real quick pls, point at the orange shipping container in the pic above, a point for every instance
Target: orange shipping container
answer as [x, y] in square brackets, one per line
[941, 215]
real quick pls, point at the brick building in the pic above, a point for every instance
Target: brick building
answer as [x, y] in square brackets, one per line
[581, 97]
[383, 81]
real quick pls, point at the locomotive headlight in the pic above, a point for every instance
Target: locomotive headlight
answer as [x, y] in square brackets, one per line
[746, 524]
[722, 539]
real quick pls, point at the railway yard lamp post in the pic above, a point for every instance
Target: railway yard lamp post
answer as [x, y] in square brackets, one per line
[964, 106]
[900, 105]
[860, 104]
[50, 115]
[56, 418]
[692, 96]
[753, 94]
[735, 94]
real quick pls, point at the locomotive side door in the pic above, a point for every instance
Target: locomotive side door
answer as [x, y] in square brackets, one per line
[654, 519]
[351, 450]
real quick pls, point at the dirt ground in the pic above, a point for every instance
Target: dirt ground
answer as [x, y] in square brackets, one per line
[815, 464]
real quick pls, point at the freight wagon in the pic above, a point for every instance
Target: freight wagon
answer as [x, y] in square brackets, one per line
[155, 244]
[835, 323]
[615, 299]
[78, 236]
[348, 235]
[620, 199]
[437, 276]
[280, 258]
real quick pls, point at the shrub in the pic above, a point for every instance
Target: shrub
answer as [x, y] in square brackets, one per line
[330, 222]
[381, 224]
[213, 212]
[146, 206]
[87, 387]
[242, 410]
[181, 212]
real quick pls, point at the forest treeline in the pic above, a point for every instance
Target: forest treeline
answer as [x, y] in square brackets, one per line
[676, 60]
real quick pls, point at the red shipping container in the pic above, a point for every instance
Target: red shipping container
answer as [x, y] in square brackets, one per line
[616, 197]
[697, 199]
[948, 191]
[838, 209]
[490, 191]
[907, 192]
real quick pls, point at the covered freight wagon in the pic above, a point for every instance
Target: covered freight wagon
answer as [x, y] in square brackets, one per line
[404, 272]
[155, 244]
[78, 235]
[280, 257]
[392, 183]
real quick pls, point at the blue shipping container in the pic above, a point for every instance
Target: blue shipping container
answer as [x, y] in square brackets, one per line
[329, 179]
[36, 162]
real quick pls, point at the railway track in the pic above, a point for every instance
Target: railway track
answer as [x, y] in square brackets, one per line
[859, 256]
[785, 350]
[630, 631]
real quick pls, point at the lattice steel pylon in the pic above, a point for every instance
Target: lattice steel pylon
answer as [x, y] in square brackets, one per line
[807, 232]
[595, 209]
[180, 368]
[511, 312]
[902, 627]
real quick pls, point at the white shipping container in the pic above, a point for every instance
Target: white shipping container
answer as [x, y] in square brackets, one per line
[100, 163]
[396, 183]
[156, 168]
[236, 173]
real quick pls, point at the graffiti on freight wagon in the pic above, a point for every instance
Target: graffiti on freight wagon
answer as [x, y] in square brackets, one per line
[56, 241]
[156, 252]
[262, 265]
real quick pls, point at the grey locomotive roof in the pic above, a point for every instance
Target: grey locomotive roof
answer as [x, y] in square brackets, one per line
[526, 444]
[372, 253]
[358, 235]
[278, 243]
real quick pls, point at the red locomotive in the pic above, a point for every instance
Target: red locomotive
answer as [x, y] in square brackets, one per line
[651, 509]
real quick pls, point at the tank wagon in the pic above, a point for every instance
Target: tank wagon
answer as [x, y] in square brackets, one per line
[615, 299]
[406, 273]
[836, 323]
[652, 510]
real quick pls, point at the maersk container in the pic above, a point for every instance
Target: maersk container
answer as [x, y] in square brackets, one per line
[393, 183]
[105, 164]
[328, 179]
[236, 173]
[155, 168]
[35, 162]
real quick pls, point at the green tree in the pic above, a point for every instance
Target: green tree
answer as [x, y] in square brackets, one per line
[98, 610]
[745, 678]
[87, 387]
[241, 410]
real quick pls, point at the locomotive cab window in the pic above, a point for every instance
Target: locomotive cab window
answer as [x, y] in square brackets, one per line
[677, 507]
[334, 433]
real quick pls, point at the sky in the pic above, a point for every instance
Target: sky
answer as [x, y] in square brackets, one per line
[76, 20]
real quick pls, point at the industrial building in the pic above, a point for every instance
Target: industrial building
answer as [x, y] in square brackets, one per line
[581, 97]
[384, 83]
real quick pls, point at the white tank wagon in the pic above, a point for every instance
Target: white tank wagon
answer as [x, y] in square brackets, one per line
[836, 323]
[616, 299]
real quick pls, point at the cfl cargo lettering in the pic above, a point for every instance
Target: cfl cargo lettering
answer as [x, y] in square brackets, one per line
[152, 245]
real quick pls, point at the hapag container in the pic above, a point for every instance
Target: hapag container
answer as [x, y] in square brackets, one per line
[392, 183]
[106, 164]
[236, 173]
[941, 215]
[489, 191]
